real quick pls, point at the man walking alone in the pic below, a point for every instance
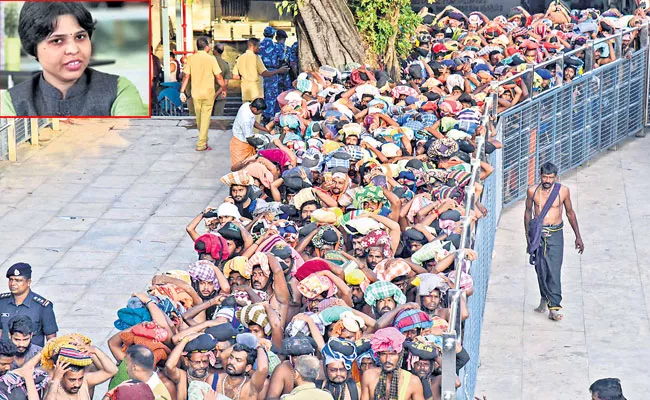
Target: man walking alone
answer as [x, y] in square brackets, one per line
[202, 68]
[545, 238]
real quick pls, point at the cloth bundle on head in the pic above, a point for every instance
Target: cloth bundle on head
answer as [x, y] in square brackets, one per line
[429, 283]
[361, 226]
[130, 390]
[466, 281]
[339, 350]
[254, 314]
[407, 320]
[258, 260]
[324, 216]
[212, 244]
[298, 345]
[310, 267]
[382, 290]
[196, 389]
[442, 148]
[73, 347]
[431, 251]
[369, 193]
[378, 238]
[387, 340]
[228, 210]
[290, 121]
[302, 197]
[352, 322]
[389, 269]
[240, 178]
[202, 270]
[328, 72]
[150, 330]
[298, 326]
[314, 285]
[354, 277]
[236, 264]
[160, 350]
[259, 171]
[327, 235]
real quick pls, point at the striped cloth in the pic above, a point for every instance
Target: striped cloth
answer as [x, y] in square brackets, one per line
[412, 319]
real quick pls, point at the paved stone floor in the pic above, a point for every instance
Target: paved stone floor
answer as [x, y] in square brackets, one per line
[101, 207]
[606, 292]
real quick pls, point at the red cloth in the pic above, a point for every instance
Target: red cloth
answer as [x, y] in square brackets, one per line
[215, 245]
[150, 330]
[130, 390]
[311, 267]
[276, 156]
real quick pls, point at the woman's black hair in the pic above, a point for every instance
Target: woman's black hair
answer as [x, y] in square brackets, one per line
[38, 20]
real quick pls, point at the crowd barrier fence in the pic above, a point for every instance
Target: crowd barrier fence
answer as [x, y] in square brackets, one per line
[567, 125]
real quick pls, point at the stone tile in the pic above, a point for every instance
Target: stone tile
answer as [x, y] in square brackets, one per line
[147, 265]
[107, 235]
[65, 293]
[109, 283]
[162, 178]
[127, 214]
[139, 247]
[78, 276]
[160, 232]
[72, 260]
[185, 209]
[55, 239]
[64, 223]
[191, 195]
[36, 257]
[122, 182]
[139, 190]
[99, 195]
[80, 210]
[25, 219]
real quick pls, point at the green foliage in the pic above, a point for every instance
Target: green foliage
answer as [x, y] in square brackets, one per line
[374, 24]
[11, 19]
[287, 7]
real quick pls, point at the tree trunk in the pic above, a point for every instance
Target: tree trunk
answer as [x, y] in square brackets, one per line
[327, 35]
[391, 60]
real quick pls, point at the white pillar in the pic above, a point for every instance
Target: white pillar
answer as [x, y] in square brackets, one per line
[156, 37]
[179, 27]
[190, 29]
[164, 23]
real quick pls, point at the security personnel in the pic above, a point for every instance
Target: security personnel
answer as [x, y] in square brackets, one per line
[22, 301]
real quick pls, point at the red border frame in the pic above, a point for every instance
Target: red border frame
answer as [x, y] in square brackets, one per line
[99, 116]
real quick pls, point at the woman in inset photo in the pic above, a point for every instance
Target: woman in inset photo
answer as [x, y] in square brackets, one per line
[58, 35]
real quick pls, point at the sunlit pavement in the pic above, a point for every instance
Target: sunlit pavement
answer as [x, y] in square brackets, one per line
[606, 292]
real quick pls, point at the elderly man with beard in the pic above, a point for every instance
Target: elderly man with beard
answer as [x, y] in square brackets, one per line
[338, 356]
[390, 381]
[193, 349]
[21, 331]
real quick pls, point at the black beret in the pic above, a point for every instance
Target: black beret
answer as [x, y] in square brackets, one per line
[205, 342]
[230, 231]
[453, 215]
[415, 235]
[20, 269]
[222, 332]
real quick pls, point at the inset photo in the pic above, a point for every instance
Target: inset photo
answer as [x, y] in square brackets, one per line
[74, 59]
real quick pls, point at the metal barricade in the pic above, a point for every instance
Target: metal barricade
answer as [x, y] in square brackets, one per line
[572, 123]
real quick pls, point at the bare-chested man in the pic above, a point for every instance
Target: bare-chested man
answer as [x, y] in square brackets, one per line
[382, 383]
[545, 238]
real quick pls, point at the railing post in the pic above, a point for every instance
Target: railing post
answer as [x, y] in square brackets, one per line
[11, 140]
[529, 77]
[618, 45]
[55, 124]
[448, 359]
[589, 56]
[34, 131]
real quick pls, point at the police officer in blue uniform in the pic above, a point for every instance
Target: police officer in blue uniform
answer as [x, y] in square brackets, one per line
[22, 301]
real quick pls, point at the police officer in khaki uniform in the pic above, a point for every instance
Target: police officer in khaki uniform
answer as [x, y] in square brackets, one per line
[250, 69]
[22, 301]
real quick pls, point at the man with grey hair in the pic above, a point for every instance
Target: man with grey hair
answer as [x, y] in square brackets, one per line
[306, 371]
